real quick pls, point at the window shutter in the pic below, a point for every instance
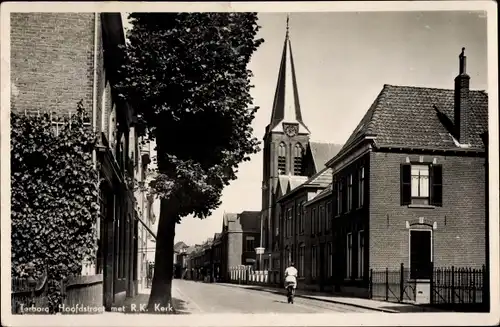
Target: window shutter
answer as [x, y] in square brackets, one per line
[436, 172]
[405, 184]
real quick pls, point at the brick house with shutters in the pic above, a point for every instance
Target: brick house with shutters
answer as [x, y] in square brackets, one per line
[409, 184]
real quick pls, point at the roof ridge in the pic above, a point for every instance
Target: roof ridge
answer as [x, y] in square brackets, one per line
[427, 88]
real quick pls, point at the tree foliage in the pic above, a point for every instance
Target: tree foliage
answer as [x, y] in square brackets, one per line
[186, 75]
[54, 202]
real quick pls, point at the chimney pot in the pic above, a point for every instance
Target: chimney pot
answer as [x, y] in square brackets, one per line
[463, 59]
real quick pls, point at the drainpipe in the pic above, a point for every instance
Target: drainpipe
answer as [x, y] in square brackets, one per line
[94, 88]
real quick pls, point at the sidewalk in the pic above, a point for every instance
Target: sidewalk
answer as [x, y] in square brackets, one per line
[376, 305]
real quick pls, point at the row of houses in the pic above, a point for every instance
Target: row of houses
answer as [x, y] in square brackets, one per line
[407, 188]
[58, 59]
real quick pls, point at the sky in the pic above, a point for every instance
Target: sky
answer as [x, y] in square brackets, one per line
[342, 61]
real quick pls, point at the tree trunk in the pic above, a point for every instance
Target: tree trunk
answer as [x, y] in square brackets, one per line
[161, 289]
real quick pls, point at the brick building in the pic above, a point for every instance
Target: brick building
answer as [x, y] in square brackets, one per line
[58, 59]
[306, 229]
[289, 160]
[239, 238]
[409, 184]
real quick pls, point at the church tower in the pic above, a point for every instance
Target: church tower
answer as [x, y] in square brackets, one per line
[285, 139]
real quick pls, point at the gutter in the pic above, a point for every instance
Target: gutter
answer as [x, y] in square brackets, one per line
[354, 145]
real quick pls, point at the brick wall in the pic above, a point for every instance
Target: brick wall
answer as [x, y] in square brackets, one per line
[52, 61]
[460, 235]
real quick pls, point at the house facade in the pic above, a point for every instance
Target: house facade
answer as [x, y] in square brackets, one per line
[408, 186]
[76, 58]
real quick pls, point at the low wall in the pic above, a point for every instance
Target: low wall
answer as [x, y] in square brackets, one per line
[83, 295]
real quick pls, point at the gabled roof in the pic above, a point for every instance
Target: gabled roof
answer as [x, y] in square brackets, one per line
[419, 118]
[322, 152]
[321, 195]
[319, 180]
[244, 221]
[295, 181]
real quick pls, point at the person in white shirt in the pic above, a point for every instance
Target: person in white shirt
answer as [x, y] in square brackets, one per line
[291, 274]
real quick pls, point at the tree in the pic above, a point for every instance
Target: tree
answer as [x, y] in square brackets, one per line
[54, 204]
[186, 76]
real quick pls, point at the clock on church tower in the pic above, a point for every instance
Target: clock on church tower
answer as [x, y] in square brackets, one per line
[290, 129]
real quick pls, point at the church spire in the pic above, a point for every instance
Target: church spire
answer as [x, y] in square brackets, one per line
[286, 106]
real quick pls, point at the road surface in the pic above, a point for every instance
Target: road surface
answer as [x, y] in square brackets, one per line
[198, 297]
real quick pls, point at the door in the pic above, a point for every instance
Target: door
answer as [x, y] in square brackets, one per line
[420, 254]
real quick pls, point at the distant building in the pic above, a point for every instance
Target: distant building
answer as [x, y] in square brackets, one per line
[180, 259]
[239, 238]
[409, 184]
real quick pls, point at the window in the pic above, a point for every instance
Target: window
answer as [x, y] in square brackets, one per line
[314, 261]
[339, 198]
[313, 221]
[361, 187]
[420, 254]
[250, 243]
[282, 159]
[297, 160]
[328, 215]
[361, 254]
[297, 222]
[421, 184]
[321, 227]
[287, 257]
[302, 217]
[349, 193]
[302, 250]
[289, 222]
[348, 272]
[330, 260]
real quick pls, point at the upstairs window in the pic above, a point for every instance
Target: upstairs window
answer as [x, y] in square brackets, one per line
[302, 217]
[282, 159]
[321, 223]
[349, 193]
[361, 187]
[328, 215]
[421, 184]
[250, 243]
[313, 221]
[297, 159]
[339, 197]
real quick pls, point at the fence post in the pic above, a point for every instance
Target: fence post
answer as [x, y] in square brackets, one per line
[401, 282]
[431, 286]
[386, 283]
[485, 289]
[452, 284]
[370, 284]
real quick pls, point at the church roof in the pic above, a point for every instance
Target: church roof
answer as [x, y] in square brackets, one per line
[286, 105]
[319, 180]
[322, 153]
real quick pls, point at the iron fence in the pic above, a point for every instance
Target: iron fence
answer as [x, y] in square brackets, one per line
[392, 285]
[458, 286]
[449, 287]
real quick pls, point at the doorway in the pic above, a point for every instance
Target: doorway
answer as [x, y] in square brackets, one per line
[420, 254]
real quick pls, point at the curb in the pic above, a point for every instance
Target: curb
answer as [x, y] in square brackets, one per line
[313, 298]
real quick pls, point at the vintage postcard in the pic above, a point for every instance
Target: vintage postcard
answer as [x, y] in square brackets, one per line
[249, 163]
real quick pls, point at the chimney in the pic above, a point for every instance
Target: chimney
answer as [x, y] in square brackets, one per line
[462, 103]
